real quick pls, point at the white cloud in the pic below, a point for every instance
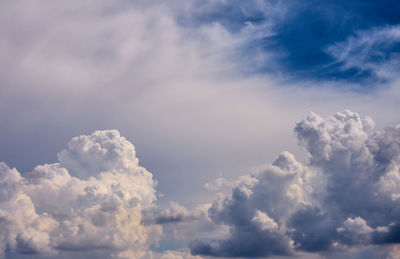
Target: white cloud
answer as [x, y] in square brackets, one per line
[265, 222]
[356, 225]
[98, 206]
[368, 50]
[22, 228]
[164, 255]
[218, 184]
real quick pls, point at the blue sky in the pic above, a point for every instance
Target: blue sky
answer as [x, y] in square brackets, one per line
[303, 31]
[199, 129]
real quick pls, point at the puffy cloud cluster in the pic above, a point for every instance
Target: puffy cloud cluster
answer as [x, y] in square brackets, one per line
[92, 199]
[346, 195]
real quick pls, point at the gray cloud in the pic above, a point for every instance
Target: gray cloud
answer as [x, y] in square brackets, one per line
[257, 211]
[175, 213]
[346, 195]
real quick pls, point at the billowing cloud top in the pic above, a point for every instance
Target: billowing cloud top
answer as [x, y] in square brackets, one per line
[98, 198]
[92, 199]
[347, 195]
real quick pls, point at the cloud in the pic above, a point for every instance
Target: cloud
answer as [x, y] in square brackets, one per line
[264, 221]
[109, 61]
[181, 254]
[91, 199]
[369, 252]
[181, 225]
[374, 51]
[138, 67]
[218, 184]
[22, 229]
[256, 210]
[356, 225]
[175, 213]
[345, 196]
[181, 90]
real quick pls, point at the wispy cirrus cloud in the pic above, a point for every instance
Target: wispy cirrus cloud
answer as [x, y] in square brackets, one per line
[375, 51]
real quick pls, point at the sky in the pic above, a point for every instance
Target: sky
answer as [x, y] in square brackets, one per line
[186, 129]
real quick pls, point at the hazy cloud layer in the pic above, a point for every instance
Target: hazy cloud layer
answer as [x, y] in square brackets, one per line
[346, 195]
[91, 199]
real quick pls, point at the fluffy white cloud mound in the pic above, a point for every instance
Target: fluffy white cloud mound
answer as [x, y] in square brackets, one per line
[346, 195]
[92, 199]
[99, 152]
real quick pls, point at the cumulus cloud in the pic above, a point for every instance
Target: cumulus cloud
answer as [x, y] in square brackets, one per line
[356, 225]
[91, 199]
[257, 211]
[345, 195]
